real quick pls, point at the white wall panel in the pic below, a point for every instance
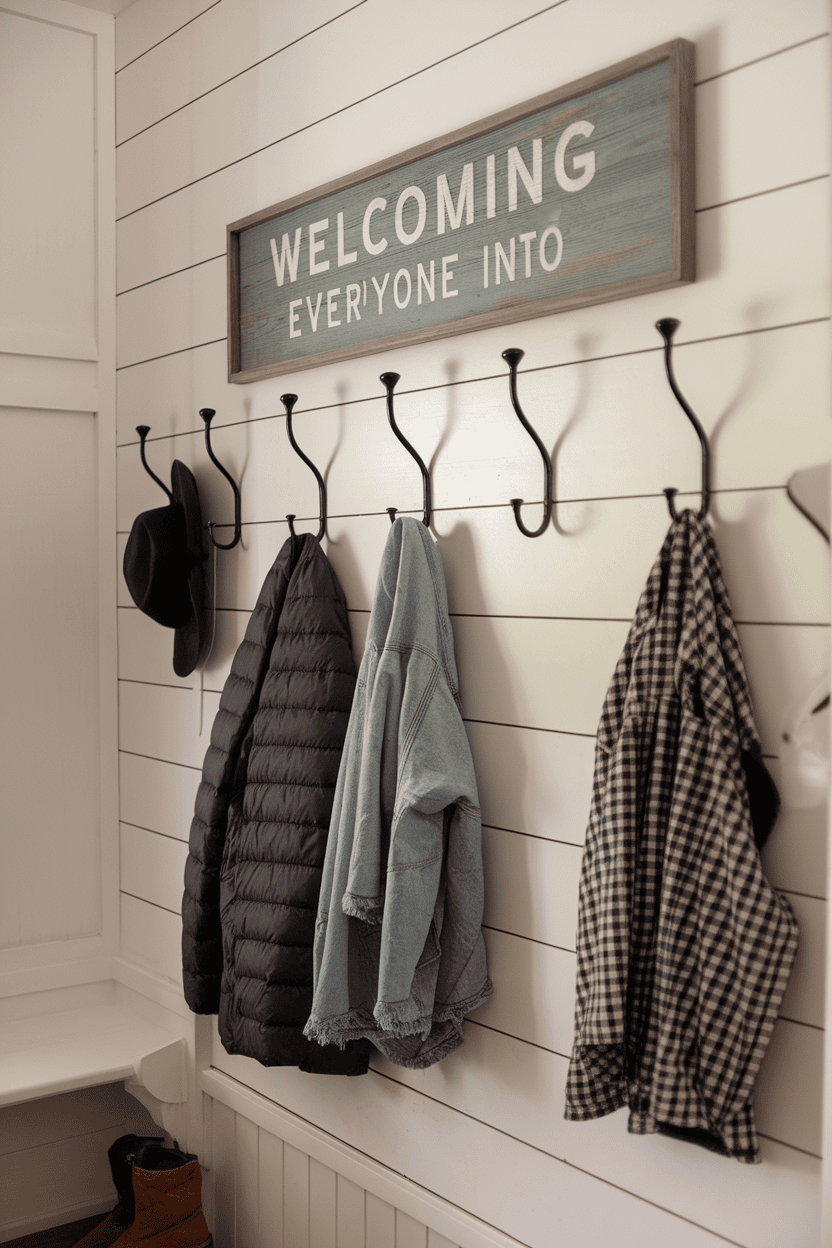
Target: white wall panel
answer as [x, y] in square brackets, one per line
[513, 1187]
[153, 867]
[157, 795]
[521, 1091]
[540, 55]
[229, 39]
[144, 24]
[50, 762]
[160, 722]
[538, 625]
[189, 226]
[533, 886]
[152, 937]
[774, 563]
[48, 272]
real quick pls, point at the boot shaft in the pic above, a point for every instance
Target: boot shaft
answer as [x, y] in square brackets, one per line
[167, 1187]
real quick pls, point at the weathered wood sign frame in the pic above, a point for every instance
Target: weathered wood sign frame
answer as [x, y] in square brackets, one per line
[578, 196]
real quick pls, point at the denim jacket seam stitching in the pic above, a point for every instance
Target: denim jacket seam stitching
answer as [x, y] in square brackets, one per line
[407, 866]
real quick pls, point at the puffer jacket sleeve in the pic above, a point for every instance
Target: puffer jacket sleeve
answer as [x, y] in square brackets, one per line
[224, 774]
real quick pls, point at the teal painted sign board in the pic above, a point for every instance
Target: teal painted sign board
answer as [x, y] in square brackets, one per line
[578, 196]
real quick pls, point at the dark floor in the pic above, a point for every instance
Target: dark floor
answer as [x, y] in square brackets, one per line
[58, 1236]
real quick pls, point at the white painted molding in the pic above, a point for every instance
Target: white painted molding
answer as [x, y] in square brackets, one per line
[455, 1224]
[53, 964]
[137, 979]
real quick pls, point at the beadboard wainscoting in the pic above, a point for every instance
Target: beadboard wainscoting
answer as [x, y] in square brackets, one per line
[226, 108]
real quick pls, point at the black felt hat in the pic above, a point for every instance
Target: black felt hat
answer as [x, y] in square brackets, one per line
[164, 568]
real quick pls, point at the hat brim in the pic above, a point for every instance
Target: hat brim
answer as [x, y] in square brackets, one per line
[189, 641]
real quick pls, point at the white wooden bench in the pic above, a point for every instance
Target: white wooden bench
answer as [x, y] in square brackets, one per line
[82, 1048]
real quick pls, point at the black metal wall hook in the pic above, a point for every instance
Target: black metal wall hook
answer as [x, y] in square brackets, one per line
[667, 328]
[207, 414]
[512, 357]
[143, 431]
[289, 401]
[388, 380]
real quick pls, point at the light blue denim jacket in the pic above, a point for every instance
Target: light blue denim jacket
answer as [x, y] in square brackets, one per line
[399, 955]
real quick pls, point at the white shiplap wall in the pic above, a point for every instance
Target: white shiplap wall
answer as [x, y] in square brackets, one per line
[228, 107]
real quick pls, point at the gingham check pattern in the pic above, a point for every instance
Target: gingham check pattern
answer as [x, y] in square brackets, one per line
[684, 948]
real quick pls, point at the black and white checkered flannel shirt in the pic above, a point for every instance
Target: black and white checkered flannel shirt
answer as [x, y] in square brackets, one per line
[684, 948]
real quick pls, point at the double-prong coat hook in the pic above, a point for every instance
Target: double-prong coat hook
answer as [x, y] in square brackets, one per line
[388, 380]
[143, 431]
[289, 401]
[512, 357]
[207, 414]
[667, 328]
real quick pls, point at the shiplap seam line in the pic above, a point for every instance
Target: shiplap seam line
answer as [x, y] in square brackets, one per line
[345, 109]
[159, 42]
[535, 836]
[222, 255]
[772, 190]
[497, 615]
[218, 86]
[152, 758]
[135, 896]
[805, 1151]
[180, 840]
[160, 684]
[790, 47]
[469, 381]
[794, 893]
[532, 940]
[381, 91]
[798, 1022]
[166, 355]
[545, 1152]
[473, 1022]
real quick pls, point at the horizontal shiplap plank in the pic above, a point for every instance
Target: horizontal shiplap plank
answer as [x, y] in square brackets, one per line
[566, 691]
[411, 1129]
[153, 867]
[479, 1169]
[145, 23]
[521, 1090]
[533, 887]
[593, 561]
[740, 121]
[160, 722]
[805, 996]
[534, 991]
[795, 855]
[550, 674]
[227, 125]
[156, 795]
[539, 783]
[199, 57]
[152, 937]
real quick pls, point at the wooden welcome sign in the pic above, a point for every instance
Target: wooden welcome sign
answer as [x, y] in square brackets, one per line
[578, 196]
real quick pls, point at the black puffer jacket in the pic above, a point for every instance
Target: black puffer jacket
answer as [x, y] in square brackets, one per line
[258, 837]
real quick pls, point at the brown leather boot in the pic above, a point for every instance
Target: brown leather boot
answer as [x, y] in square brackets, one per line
[167, 1187]
[121, 1154]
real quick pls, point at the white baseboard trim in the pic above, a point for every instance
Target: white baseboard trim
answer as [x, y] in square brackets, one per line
[440, 1215]
[59, 1217]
